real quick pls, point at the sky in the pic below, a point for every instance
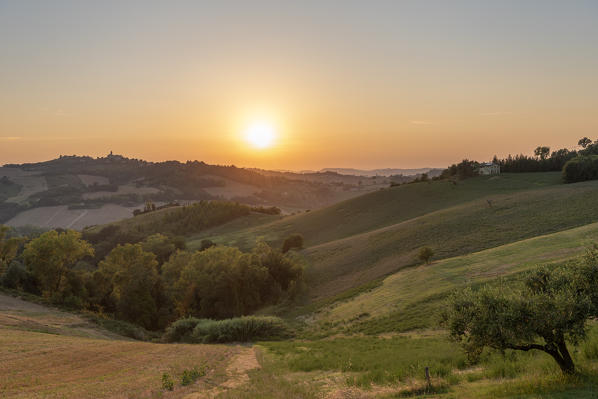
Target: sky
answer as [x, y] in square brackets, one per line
[364, 84]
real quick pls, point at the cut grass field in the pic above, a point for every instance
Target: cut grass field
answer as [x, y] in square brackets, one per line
[48, 353]
[39, 365]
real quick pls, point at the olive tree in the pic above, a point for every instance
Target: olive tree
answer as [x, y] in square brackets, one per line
[546, 311]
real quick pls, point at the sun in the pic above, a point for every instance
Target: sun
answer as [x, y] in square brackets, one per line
[260, 135]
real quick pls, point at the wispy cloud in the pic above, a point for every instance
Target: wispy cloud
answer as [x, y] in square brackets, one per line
[10, 138]
[420, 122]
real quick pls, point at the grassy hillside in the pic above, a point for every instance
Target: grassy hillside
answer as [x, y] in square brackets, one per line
[386, 207]
[453, 231]
[411, 298]
[366, 238]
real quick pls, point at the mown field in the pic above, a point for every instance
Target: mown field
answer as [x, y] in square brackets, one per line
[48, 353]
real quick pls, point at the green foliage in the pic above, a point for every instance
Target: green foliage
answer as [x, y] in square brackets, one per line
[549, 309]
[463, 170]
[581, 168]
[199, 216]
[181, 330]
[293, 241]
[18, 277]
[167, 382]
[8, 248]
[223, 282]
[240, 329]
[50, 258]
[190, 376]
[372, 360]
[425, 255]
[272, 210]
[160, 245]
[132, 275]
[206, 243]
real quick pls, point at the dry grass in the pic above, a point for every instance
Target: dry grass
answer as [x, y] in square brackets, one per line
[38, 365]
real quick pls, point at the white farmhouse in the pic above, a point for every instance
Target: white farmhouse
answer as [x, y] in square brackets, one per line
[489, 168]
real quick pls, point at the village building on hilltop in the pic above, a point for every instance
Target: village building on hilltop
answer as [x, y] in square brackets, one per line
[489, 168]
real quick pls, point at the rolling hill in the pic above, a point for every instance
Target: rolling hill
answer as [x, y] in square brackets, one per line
[78, 191]
[365, 238]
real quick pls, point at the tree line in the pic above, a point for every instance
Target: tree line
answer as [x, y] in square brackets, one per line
[150, 283]
[576, 165]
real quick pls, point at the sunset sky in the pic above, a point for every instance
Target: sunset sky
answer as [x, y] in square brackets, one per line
[364, 84]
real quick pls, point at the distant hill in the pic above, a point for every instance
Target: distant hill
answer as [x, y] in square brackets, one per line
[76, 191]
[380, 172]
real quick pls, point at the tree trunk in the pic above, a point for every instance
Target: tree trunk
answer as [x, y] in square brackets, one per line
[560, 353]
[568, 367]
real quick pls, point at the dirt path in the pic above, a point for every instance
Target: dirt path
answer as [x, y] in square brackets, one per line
[236, 374]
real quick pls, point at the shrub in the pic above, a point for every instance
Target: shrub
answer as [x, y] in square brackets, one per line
[16, 276]
[206, 243]
[190, 376]
[181, 330]
[425, 255]
[167, 382]
[293, 241]
[240, 329]
[581, 168]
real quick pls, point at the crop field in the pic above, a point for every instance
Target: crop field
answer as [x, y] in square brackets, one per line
[122, 190]
[61, 216]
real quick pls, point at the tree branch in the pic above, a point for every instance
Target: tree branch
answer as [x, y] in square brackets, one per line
[528, 347]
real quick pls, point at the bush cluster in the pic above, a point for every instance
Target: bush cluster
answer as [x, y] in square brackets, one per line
[581, 168]
[238, 329]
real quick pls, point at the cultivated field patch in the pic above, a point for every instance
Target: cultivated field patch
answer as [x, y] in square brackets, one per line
[77, 219]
